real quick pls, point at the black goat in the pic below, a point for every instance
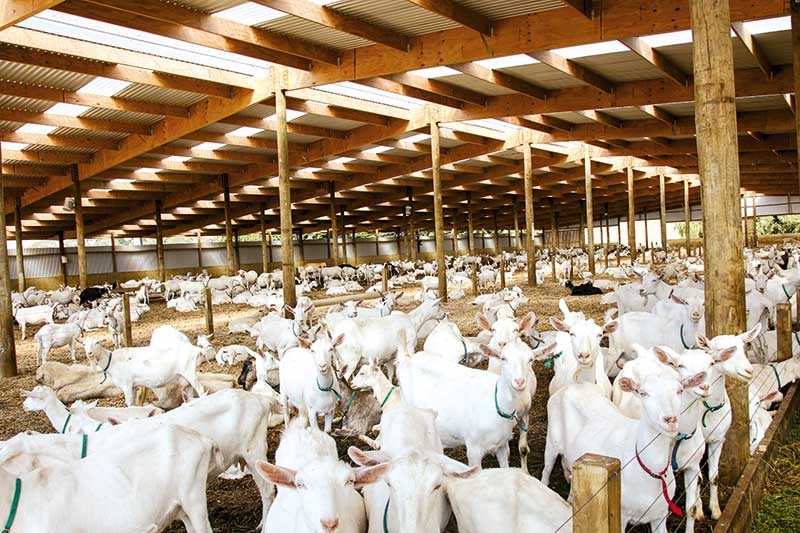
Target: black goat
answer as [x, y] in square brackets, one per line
[584, 289]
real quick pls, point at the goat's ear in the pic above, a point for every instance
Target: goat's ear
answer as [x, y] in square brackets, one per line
[338, 340]
[559, 324]
[370, 474]
[544, 353]
[610, 327]
[370, 458]
[750, 336]
[527, 322]
[664, 355]
[489, 352]
[284, 477]
[114, 421]
[677, 299]
[702, 342]
[725, 354]
[482, 321]
[693, 381]
[748, 275]
[304, 342]
[628, 385]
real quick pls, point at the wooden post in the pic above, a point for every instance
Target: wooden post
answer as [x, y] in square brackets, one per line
[162, 273]
[474, 278]
[126, 314]
[553, 239]
[718, 161]
[355, 247]
[263, 228]
[385, 278]
[530, 244]
[438, 212]
[517, 235]
[237, 263]
[20, 252]
[470, 228]
[783, 327]
[502, 272]
[596, 495]
[619, 239]
[663, 207]
[587, 174]
[455, 234]
[581, 225]
[209, 313]
[377, 244]
[497, 246]
[754, 198]
[8, 352]
[608, 236]
[269, 246]
[301, 246]
[646, 235]
[113, 254]
[344, 237]
[226, 195]
[79, 231]
[199, 250]
[62, 255]
[334, 229]
[631, 213]
[795, 8]
[285, 198]
[687, 215]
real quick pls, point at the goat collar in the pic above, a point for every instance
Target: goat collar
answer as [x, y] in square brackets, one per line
[777, 375]
[66, 423]
[463, 357]
[684, 342]
[512, 416]
[329, 388]
[12, 513]
[388, 395]
[84, 441]
[681, 437]
[299, 327]
[385, 517]
[788, 297]
[711, 409]
[551, 360]
[661, 476]
[108, 364]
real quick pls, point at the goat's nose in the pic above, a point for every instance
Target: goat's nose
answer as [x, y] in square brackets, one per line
[502, 344]
[671, 419]
[519, 383]
[329, 525]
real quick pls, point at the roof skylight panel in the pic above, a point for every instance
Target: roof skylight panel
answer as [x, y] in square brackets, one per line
[40, 129]
[13, 146]
[75, 27]
[70, 110]
[354, 90]
[668, 39]
[208, 146]
[250, 14]
[244, 131]
[435, 72]
[104, 87]
[757, 27]
[517, 60]
[176, 159]
[594, 49]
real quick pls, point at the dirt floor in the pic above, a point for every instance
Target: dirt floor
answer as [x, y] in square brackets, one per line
[234, 506]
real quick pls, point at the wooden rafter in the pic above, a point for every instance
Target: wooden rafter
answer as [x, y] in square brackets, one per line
[14, 11]
[325, 16]
[656, 58]
[457, 13]
[753, 47]
[574, 70]
[658, 113]
[584, 7]
[501, 79]
[388, 85]
[62, 121]
[440, 87]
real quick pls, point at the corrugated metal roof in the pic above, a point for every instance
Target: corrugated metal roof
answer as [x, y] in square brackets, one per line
[474, 84]
[400, 16]
[25, 104]
[313, 32]
[46, 77]
[160, 95]
[209, 6]
[327, 122]
[543, 76]
[122, 116]
[620, 66]
[65, 149]
[501, 9]
[7, 125]
[88, 134]
[777, 46]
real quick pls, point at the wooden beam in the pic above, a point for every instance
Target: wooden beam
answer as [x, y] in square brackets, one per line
[63, 53]
[663, 210]
[162, 271]
[601, 118]
[658, 114]
[715, 114]
[284, 191]
[574, 70]
[441, 88]
[656, 58]
[389, 85]
[202, 29]
[530, 245]
[753, 47]
[79, 228]
[20, 252]
[8, 354]
[15, 11]
[584, 7]
[457, 13]
[587, 169]
[501, 79]
[795, 9]
[631, 212]
[325, 16]
[62, 121]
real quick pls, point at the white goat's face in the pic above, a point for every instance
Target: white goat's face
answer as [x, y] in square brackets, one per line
[650, 282]
[690, 364]
[585, 337]
[515, 359]
[36, 399]
[322, 351]
[661, 400]
[729, 354]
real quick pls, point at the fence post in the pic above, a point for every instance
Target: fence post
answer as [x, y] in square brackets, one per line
[126, 313]
[596, 495]
[474, 277]
[502, 272]
[783, 326]
[385, 279]
[571, 267]
[209, 313]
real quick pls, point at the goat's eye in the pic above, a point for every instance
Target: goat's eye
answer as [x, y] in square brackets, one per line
[643, 394]
[436, 487]
[680, 391]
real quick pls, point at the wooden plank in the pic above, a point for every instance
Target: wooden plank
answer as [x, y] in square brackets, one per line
[325, 16]
[602, 118]
[743, 504]
[439, 87]
[663, 210]
[584, 7]
[574, 70]
[658, 114]
[62, 121]
[656, 58]
[15, 11]
[596, 495]
[457, 13]
[172, 21]
[502, 79]
[718, 158]
[391, 86]
[226, 192]
[79, 228]
[753, 47]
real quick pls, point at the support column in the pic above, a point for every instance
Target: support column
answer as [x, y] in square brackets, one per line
[743, 208]
[553, 239]
[662, 193]
[496, 234]
[631, 213]
[608, 236]
[8, 353]
[516, 226]
[344, 237]
[455, 233]
[62, 256]
[285, 200]
[355, 247]
[269, 247]
[438, 212]
[377, 244]
[411, 231]
[646, 235]
[199, 250]
[687, 215]
[301, 246]
[237, 264]
[20, 255]
[263, 227]
[581, 225]
[334, 228]
[754, 199]
[587, 175]
[619, 239]
[795, 8]
[718, 159]
[470, 229]
[226, 194]
[79, 231]
[113, 255]
[162, 273]
[530, 245]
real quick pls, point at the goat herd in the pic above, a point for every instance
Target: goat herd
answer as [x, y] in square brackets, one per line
[646, 386]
